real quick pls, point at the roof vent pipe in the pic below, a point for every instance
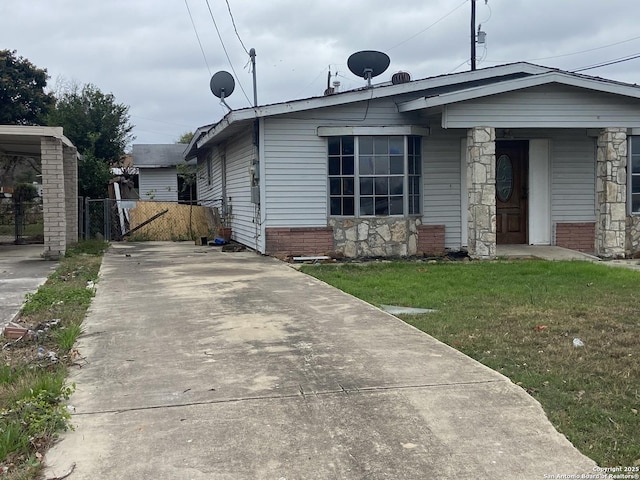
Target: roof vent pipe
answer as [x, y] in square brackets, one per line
[400, 77]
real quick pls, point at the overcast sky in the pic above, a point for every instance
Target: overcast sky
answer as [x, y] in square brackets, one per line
[147, 54]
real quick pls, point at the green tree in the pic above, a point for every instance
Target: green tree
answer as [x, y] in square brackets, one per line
[99, 127]
[23, 100]
[185, 137]
[93, 177]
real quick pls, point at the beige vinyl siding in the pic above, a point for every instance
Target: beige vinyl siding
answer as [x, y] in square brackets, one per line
[573, 178]
[158, 184]
[296, 159]
[244, 214]
[209, 195]
[441, 184]
[547, 106]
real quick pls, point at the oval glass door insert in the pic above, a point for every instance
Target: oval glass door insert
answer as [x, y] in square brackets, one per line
[504, 178]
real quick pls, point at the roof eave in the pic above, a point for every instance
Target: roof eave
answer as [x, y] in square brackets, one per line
[519, 84]
[215, 131]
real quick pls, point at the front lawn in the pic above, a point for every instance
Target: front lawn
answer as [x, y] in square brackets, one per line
[521, 318]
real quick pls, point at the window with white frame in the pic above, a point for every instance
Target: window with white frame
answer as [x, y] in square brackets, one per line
[374, 175]
[634, 154]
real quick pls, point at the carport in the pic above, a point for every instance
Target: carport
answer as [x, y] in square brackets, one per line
[59, 160]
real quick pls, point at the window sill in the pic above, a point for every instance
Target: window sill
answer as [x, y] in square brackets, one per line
[373, 217]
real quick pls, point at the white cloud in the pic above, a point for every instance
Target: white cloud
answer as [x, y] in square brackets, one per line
[146, 53]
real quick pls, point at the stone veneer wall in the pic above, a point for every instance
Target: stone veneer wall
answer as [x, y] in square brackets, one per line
[375, 237]
[576, 236]
[299, 241]
[632, 247]
[611, 193]
[481, 185]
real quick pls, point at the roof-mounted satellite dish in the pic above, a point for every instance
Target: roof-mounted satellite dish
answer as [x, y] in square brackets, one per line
[368, 64]
[222, 85]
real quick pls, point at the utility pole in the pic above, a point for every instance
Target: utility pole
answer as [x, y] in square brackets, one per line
[473, 35]
[252, 54]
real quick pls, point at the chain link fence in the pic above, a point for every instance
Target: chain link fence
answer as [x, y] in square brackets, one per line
[144, 220]
[21, 222]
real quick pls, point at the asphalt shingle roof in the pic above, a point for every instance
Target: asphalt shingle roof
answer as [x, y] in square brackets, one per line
[158, 155]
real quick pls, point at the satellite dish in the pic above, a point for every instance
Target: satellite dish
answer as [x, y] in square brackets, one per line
[368, 64]
[222, 84]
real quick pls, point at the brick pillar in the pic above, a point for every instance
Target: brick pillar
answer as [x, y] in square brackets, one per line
[53, 198]
[611, 192]
[70, 170]
[481, 188]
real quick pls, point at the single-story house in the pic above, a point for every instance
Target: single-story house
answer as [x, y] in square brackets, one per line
[158, 176]
[512, 154]
[59, 161]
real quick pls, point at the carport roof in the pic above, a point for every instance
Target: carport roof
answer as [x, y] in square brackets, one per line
[25, 140]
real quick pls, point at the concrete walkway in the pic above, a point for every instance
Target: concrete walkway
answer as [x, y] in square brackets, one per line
[209, 365]
[542, 252]
[554, 254]
[22, 271]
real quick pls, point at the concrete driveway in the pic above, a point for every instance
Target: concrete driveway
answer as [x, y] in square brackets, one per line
[209, 365]
[22, 271]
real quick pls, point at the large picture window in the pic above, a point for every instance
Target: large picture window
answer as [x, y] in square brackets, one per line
[634, 149]
[374, 175]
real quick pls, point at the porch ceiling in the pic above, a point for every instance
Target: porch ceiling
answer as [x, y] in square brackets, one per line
[25, 140]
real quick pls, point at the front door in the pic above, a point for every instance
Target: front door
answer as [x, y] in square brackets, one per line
[512, 168]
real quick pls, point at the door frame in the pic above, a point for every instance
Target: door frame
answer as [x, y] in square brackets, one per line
[523, 178]
[540, 191]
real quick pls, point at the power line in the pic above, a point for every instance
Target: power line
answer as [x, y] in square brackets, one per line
[572, 53]
[235, 29]
[311, 83]
[198, 37]
[226, 53]
[425, 29]
[607, 63]
[465, 61]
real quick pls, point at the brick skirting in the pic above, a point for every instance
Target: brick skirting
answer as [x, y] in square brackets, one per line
[431, 239]
[299, 241]
[576, 236]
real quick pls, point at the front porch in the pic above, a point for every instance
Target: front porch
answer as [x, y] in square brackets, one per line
[494, 219]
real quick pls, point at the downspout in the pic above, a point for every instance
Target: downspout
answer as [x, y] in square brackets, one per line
[226, 207]
[257, 187]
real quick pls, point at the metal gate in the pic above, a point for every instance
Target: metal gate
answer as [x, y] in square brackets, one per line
[21, 222]
[101, 218]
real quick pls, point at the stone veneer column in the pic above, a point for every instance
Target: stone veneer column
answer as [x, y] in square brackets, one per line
[70, 170]
[53, 197]
[611, 192]
[481, 188]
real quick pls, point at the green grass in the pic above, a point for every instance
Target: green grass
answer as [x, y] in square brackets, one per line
[520, 318]
[30, 229]
[33, 387]
[65, 337]
[87, 247]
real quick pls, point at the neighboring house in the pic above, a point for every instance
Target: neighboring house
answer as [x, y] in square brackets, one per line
[517, 153]
[158, 178]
